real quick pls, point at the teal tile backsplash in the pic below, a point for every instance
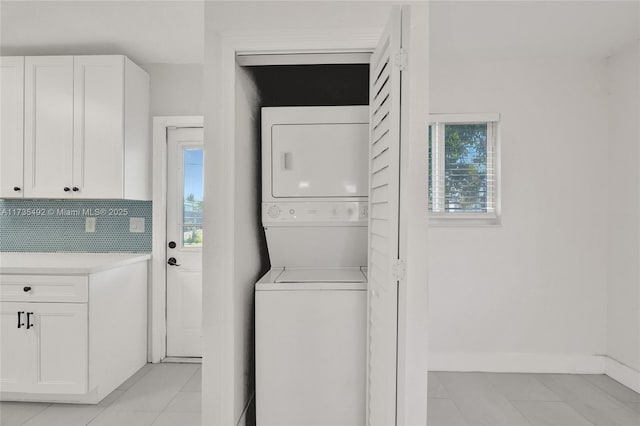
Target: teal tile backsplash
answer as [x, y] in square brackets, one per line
[59, 226]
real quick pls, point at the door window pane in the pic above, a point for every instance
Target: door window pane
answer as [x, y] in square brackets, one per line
[192, 203]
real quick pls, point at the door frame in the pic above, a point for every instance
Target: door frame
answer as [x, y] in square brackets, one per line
[157, 319]
[219, 368]
[219, 357]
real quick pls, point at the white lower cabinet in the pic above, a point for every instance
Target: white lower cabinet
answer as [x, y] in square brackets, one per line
[48, 353]
[71, 338]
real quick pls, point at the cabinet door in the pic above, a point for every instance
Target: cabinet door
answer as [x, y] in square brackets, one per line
[16, 356]
[48, 126]
[11, 126]
[59, 338]
[98, 126]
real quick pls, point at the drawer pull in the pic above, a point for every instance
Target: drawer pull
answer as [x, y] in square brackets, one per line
[29, 324]
[20, 323]
[27, 289]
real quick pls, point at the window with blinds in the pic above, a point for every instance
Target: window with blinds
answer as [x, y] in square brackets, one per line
[463, 164]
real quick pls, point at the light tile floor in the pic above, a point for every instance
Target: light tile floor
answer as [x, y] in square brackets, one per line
[169, 395]
[158, 394]
[470, 399]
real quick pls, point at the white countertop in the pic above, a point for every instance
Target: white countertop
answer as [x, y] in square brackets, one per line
[65, 263]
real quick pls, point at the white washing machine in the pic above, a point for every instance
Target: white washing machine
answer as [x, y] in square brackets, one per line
[310, 347]
[311, 306]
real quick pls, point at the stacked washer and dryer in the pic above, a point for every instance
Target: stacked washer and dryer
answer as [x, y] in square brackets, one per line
[311, 305]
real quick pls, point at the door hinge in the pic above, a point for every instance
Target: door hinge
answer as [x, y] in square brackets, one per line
[400, 59]
[398, 269]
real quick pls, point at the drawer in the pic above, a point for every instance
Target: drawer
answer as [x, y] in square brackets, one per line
[43, 288]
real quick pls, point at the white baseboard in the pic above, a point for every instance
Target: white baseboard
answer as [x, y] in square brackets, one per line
[516, 363]
[622, 373]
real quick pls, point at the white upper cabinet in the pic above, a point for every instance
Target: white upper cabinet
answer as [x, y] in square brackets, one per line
[11, 126]
[111, 133]
[86, 128]
[48, 131]
[98, 136]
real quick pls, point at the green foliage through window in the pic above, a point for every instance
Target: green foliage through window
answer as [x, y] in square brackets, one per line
[461, 164]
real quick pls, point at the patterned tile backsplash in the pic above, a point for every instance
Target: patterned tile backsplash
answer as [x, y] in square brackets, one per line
[59, 226]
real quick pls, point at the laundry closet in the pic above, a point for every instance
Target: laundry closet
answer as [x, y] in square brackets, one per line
[310, 307]
[296, 266]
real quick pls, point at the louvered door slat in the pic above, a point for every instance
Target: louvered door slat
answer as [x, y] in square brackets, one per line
[384, 181]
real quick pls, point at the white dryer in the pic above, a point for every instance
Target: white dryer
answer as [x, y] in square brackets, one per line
[311, 306]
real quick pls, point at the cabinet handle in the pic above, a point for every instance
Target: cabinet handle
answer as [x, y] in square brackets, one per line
[29, 324]
[76, 189]
[16, 188]
[26, 289]
[67, 189]
[20, 323]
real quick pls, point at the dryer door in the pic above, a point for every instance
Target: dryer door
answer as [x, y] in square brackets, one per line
[319, 160]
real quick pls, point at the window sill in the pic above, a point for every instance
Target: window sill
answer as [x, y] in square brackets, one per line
[464, 221]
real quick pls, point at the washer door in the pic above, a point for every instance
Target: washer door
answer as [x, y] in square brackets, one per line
[310, 357]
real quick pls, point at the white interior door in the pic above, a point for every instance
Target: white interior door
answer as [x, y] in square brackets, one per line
[384, 198]
[184, 242]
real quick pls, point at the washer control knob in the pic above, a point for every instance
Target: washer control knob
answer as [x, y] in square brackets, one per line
[364, 211]
[274, 211]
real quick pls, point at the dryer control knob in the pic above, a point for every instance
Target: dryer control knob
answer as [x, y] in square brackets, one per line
[273, 211]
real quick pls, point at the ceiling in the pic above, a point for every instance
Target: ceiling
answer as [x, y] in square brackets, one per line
[173, 31]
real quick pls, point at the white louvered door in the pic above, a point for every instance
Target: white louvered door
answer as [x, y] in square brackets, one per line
[384, 194]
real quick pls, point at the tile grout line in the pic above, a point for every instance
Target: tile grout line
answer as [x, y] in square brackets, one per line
[606, 394]
[524, 416]
[606, 391]
[453, 401]
[576, 404]
[541, 383]
[156, 417]
[198, 370]
[35, 414]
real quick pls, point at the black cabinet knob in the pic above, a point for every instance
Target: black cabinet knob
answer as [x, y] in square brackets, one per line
[26, 289]
[76, 189]
[67, 189]
[16, 188]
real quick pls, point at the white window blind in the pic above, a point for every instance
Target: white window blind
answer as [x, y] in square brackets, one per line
[463, 164]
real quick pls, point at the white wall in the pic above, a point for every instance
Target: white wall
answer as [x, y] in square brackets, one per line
[623, 207]
[230, 16]
[527, 295]
[175, 89]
